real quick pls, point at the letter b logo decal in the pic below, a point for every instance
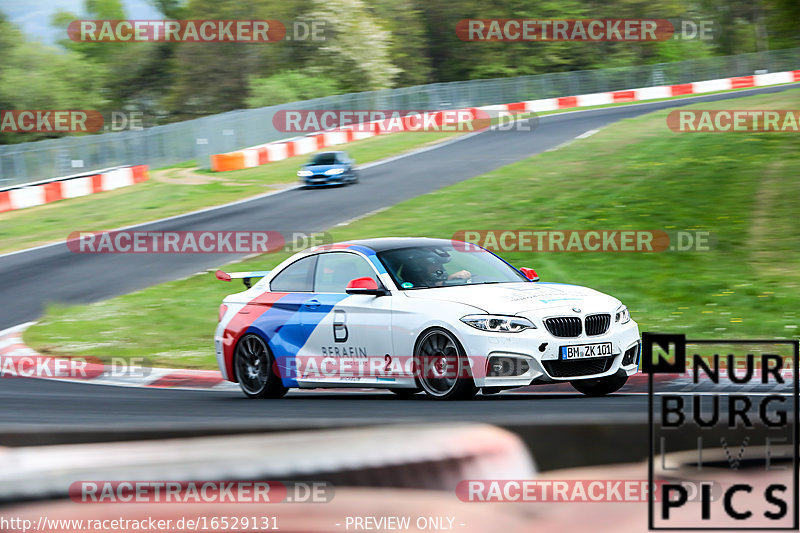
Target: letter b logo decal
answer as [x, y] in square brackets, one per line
[339, 326]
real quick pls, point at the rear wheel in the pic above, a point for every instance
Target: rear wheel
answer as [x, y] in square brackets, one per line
[442, 367]
[601, 386]
[255, 371]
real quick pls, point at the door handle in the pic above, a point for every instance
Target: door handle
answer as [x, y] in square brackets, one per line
[313, 304]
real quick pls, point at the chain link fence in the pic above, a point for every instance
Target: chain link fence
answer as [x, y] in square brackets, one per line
[197, 139]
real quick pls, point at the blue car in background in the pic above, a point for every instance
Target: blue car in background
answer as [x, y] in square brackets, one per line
[328, 168]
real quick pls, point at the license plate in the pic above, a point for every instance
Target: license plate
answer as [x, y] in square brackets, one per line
[583, 351]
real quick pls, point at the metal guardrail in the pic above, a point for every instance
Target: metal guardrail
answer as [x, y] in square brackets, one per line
[199, 138]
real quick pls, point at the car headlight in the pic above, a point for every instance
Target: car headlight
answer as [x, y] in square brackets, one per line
[498, 323]
[622, 316]
[304, 173]
[334, 171]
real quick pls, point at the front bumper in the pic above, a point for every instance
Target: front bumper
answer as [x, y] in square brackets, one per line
[321, 180]
[532, 356]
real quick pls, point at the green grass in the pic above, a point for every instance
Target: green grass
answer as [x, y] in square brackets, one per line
[160, 198]
[635, 174]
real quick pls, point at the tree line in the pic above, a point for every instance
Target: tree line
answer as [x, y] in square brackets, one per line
[368, 45]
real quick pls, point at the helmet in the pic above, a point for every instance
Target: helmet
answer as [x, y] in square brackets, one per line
[417, 263]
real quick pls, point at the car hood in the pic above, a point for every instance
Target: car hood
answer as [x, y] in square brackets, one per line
[522, 298]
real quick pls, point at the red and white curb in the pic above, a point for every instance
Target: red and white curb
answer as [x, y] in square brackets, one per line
[57, 189]
[276, 151]
[17, 360]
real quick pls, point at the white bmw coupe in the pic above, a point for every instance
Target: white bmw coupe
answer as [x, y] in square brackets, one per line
[414, 314]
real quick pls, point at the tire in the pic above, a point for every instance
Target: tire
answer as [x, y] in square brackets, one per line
[438, 353]
[405, 393]
[601, 386]
[253, 364]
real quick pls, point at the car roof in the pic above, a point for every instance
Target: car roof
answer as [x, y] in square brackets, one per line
[383, 244]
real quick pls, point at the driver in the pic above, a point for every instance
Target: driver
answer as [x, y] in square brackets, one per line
[429, 270]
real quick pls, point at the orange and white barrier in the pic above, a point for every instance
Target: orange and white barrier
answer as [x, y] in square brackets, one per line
[651, 93]
[276, 151]
[72, 187]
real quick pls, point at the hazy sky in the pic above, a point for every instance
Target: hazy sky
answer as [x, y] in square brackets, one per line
[33, 16]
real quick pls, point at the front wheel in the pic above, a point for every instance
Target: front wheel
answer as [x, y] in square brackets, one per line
[442, 367]
[601, 386]
[254, 369]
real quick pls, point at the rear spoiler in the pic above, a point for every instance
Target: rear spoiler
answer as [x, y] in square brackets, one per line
[244, 276]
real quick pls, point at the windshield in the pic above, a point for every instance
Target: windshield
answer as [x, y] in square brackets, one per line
[422, 267]
[326, 158]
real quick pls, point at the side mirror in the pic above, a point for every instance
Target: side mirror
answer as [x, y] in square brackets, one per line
[365, 285]
[530, 273]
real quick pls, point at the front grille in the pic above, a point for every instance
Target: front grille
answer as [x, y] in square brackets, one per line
[564, 326]
[597, 324]
[580, 367]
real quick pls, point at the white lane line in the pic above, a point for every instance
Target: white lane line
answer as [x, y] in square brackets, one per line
[257, 197]
[583, 135]
[586, 134]
[418, 151]
[18, 327]
[359, 217]
[173, 217]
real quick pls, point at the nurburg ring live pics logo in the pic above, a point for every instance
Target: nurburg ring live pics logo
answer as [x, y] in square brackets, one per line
[722, 413]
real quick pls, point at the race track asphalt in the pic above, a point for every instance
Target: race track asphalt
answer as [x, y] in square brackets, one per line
[40, 412]
[31, 279]
[65, 404]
